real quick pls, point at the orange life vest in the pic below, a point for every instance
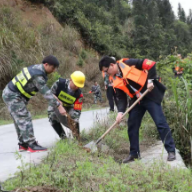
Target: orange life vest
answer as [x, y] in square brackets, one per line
[129, 73]
[177, 68]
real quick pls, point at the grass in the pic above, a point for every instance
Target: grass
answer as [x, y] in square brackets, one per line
[69, 167]
[5, 122]
[39, 116]
[44, 114]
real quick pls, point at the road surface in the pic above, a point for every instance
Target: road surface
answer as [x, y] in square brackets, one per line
[45, 135]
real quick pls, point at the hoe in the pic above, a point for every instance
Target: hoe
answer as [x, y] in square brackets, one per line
[93, 145]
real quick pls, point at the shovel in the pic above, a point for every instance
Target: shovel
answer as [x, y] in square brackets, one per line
[68, 122]
[93, 145]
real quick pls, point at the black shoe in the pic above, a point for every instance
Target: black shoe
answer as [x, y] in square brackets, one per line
[35, 147]
[171, 156]
[23, 147]
[130, 158]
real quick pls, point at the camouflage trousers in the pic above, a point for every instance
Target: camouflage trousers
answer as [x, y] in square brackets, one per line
[97, 97]
[72, 124]
[22, 118]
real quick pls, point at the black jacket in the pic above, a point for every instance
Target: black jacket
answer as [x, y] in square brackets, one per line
[155, 95]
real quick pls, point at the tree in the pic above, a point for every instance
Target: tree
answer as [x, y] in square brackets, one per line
[149, 35]
[166, 13]
[181, 13]
[189, 18]
[184, 40]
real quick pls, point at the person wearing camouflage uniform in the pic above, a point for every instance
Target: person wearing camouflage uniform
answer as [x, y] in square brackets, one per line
[17, 93]
[96, 90]
[68, 93]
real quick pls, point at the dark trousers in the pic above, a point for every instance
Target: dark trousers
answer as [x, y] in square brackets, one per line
[111, 97]
[134, 122]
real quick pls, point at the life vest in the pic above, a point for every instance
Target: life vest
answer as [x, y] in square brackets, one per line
[129, 73]
[19, 82]
[63, 95]
[177, 68]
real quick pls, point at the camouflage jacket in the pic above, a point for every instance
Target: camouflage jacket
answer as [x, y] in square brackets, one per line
[96, 89]
[38, 83]
[75, 112]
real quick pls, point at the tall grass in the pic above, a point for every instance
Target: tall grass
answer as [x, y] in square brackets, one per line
[183, 102]
[178, 103]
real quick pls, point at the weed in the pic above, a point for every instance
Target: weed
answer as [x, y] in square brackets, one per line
[70, 168]
[80, 62]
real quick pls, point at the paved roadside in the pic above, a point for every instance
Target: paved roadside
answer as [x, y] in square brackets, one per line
[44, 134]
[157, 152]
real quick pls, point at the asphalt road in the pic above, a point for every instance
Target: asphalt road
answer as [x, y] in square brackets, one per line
[44, 134]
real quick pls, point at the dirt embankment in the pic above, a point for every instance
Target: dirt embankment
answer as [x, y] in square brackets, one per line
[37, 14]
[41, 34]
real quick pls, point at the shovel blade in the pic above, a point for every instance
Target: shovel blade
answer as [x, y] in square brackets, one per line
[92, 146]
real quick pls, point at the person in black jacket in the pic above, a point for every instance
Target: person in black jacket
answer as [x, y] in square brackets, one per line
[133, 77]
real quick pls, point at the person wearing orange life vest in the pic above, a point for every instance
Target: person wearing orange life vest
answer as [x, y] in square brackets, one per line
[177, 70]
[133, 77]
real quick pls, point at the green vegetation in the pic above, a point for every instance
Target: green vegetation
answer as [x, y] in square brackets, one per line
[146, 29]
[43, 114]
[42, 39]
[69, 167]
[178, 101]
[114, 27]
[80, 62]
[5, 122]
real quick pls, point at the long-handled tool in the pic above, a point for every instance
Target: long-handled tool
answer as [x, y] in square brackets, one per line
[93, 145]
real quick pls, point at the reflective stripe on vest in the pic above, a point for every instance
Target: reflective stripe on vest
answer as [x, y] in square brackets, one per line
[20, 80]
[129, 73]
[66, 98]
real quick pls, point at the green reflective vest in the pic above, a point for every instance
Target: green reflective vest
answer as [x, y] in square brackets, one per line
[19, 82]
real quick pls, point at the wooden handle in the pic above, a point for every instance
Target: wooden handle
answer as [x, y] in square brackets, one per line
[127, 111]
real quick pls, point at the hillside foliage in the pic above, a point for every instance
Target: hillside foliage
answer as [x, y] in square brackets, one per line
[121, 28]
